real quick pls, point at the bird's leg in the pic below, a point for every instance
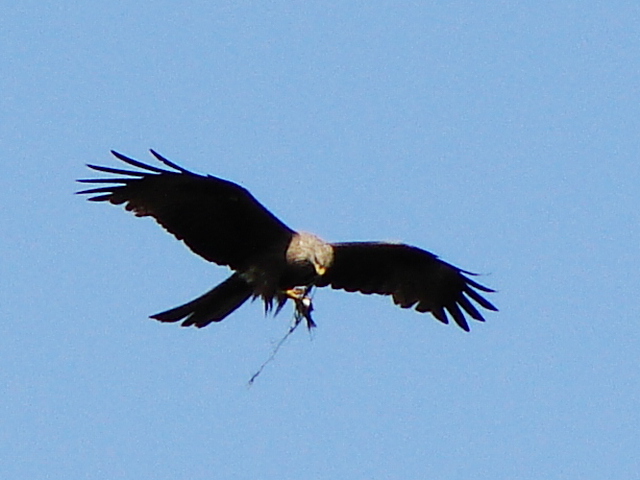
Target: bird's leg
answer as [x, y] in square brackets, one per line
[303, 303]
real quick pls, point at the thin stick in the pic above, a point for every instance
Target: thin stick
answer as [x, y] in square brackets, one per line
[303, 309]
[275, 350]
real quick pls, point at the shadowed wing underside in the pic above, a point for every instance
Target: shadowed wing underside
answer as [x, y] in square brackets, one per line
[217, 219]
[411, 275]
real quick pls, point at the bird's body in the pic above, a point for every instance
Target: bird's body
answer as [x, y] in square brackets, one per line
[222, 222]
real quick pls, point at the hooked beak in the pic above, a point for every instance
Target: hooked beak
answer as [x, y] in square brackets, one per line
[320, 270]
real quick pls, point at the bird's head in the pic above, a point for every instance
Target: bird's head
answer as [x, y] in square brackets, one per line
[306, 247]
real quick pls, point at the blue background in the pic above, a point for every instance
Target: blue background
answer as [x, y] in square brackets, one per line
[502, 136]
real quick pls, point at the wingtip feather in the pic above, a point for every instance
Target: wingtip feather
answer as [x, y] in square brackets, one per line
[458, 316]
[136, 163]
[168, 162]
[116, 171]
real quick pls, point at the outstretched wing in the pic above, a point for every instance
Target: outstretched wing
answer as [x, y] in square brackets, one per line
[217, 219]
[411, 275]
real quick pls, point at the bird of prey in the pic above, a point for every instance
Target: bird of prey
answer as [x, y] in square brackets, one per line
[223, 223]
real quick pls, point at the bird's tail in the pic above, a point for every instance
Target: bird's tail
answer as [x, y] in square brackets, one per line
[213, 306]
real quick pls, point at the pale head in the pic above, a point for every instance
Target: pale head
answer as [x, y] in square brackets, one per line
[306, 247]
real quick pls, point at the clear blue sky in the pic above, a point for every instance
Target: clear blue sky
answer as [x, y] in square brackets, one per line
[502, 136]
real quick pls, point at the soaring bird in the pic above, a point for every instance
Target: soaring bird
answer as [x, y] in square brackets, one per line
[224, 223]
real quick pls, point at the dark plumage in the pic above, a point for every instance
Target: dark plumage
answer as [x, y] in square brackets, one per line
[223, 223]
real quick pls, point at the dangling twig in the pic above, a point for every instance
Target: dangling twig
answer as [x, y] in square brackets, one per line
[303, 308]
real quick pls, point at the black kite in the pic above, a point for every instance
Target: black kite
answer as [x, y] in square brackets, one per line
[223, 223]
